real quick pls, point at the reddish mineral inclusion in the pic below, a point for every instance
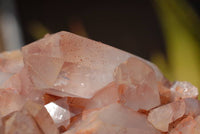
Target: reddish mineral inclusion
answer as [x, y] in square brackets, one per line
[67, 84]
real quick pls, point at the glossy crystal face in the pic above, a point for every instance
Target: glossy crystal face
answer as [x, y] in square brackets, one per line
[69, 84]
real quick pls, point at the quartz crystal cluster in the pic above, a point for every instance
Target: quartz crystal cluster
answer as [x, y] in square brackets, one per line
[67, 84]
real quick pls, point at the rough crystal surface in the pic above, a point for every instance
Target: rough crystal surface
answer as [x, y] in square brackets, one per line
[182, 90]
[67, 84]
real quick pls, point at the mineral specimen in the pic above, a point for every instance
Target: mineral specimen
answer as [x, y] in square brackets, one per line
[67, 84]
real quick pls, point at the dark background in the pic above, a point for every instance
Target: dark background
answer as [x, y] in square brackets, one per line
[131, 26]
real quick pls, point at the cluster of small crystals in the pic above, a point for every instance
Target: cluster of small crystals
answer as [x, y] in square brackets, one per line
[67, 84]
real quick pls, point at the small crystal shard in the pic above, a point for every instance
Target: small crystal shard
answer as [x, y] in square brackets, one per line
[141, 91]
[192, 107]
[162, 116]
[182, 90]
[59, 111]
[165, 94]
[42, 117]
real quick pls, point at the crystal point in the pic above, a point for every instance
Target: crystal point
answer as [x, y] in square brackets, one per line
[67, 84]
[87, 64]
[162, 116]
[141, 91]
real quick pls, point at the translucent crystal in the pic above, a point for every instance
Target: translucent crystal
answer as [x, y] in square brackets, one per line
[67, 84]
[59, 112]
[192, 106]
[186, 126]
[11, 62]
[114, 118]
[42, 117]
[197, 126]
[20, 123]
[87, 66]
[183, 90]
[10, 101]
[162, 116]
[141, 90]
[106, 96]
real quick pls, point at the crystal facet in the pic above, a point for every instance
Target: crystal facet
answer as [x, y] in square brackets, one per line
[67, 84]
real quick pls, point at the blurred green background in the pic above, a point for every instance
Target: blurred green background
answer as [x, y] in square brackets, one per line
[167, 32]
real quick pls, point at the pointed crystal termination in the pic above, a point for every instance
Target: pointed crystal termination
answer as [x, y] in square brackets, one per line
[72, 64]
[67, 84]
[141, 91]
[59, 112]
[42, 117]
[162, 116]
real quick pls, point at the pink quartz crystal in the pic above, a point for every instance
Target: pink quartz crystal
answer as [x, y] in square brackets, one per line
[76, 65]
[197, 126]
[162, 116]
[10, 101]
[20, 123]
[142, 87]
[186, 126]
[67, 84]
[59, 112]
[184, 89]
[114, 118]
[10, 63]
[42, 117]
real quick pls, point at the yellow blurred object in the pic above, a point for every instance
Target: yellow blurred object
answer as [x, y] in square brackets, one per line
[159, 59]
[180, 27]
[37, 30]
